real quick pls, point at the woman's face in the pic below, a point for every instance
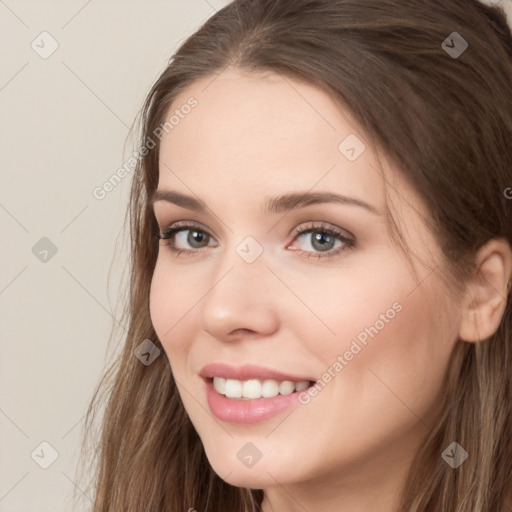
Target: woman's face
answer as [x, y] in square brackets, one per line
[271, 288]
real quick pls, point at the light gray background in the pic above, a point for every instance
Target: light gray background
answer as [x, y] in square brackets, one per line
[63, 131]
[63, 126]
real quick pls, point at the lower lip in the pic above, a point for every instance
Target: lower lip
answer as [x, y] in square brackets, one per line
[247, 412]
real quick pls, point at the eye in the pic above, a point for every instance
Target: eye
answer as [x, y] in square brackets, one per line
[196, 237]
[322, 238]
[328, 241]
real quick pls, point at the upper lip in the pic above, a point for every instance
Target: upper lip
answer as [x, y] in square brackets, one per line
[246, 372]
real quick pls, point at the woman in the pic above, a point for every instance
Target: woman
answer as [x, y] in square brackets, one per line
[319, 306]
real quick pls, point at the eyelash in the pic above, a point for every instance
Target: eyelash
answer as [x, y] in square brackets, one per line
[349, 244]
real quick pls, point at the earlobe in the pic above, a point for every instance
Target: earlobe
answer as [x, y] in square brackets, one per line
[487, 294]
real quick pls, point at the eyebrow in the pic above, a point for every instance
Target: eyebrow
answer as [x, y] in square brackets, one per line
[274, 205]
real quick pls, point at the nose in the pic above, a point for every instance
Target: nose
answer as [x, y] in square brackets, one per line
[243, 300]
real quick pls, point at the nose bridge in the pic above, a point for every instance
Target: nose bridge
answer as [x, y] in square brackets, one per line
[239, 296]
[242, 262]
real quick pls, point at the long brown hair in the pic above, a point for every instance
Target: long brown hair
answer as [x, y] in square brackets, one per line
[445, 121]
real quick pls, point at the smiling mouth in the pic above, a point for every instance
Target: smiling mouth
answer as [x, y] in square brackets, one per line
[253, 389]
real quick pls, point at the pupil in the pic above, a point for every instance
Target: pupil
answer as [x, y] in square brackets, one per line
[322, 236]
[195, 236]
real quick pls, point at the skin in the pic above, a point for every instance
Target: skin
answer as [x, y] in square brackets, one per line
[253, 137]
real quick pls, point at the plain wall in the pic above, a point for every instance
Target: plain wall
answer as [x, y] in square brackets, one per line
[63, 126]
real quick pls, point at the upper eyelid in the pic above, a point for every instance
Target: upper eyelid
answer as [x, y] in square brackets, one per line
[300, 229]
[319, 225]
[184, 225]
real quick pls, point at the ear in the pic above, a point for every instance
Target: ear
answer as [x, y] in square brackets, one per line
[486, 295]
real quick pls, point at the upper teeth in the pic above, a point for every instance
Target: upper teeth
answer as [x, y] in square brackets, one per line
[255, 388]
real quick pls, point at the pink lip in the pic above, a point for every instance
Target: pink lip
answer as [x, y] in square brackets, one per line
[246, 412]
[246, 372]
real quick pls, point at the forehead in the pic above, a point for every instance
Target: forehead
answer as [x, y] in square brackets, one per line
[250, 136]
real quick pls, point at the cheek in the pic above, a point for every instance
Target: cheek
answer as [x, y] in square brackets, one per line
[169, 300]
[356, 302]
[393, 355]
[159, 300]
[386, 331]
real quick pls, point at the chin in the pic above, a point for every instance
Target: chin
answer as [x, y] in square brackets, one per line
[248, 478]
[262, 474]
